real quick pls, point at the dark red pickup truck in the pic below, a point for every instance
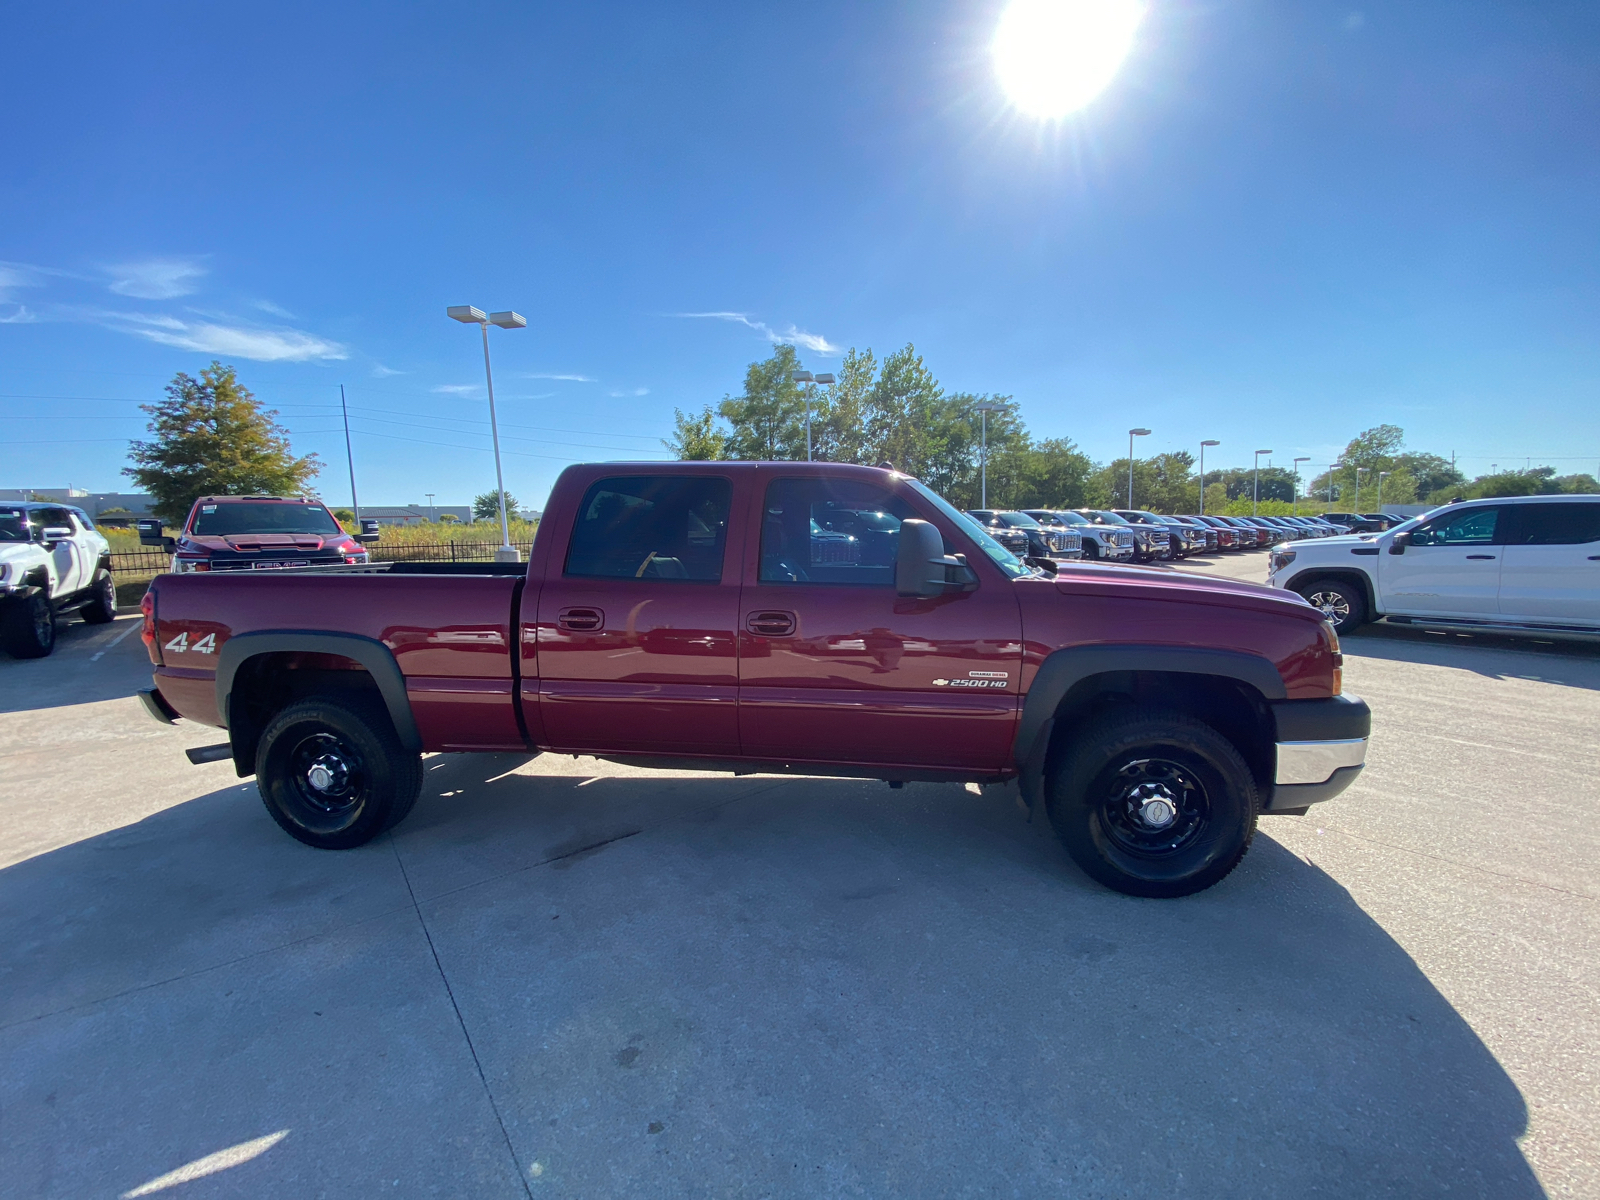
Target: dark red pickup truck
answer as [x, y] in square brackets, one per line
[813, 619]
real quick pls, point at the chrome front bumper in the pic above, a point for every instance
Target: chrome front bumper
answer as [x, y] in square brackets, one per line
[1316, 762]
[1322, 749]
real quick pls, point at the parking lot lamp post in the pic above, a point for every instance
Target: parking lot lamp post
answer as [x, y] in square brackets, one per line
[1382, 475]
[1332, 467]
[984, 409]
[1356, 507]
[1297, 463]
[468, 315]
[1133, 433]
[1203, 445]
[1255, 494]
[806, 377]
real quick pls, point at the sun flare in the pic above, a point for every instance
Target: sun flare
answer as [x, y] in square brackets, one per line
[1055, 56]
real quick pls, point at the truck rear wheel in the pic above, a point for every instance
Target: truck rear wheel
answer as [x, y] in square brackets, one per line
[333, 774]
[102, 606]
[1341, 602]
[1152, 802]
[28, 625]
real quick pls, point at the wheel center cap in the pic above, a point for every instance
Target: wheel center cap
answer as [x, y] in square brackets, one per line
[320, 777]
[1157, 812]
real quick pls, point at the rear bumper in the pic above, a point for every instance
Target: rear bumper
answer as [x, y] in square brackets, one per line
[1321, 748]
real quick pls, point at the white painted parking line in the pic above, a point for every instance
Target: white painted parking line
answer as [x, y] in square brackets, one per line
[132, 625]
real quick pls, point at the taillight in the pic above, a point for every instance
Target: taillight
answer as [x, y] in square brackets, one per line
[148, 633]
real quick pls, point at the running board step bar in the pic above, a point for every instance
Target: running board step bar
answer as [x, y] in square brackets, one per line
[205, 754]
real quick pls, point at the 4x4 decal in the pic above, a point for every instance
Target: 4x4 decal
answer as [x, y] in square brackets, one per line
[206, 645]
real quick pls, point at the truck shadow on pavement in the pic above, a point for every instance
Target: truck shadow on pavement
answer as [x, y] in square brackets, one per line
[695, 985]
[1573, 664]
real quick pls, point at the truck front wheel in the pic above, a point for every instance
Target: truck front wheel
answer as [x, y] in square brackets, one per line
[29, 625]
[1340, 601]
[333, 774]
[1152, 802]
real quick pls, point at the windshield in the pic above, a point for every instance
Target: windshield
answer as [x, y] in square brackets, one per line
[1019, 520]
[1110, 518]
[13, 525]
[1003, 558]
[221, 520]
[1072, 518]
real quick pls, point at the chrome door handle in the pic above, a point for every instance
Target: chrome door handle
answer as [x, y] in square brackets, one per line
[581, 620]
[1480, 556]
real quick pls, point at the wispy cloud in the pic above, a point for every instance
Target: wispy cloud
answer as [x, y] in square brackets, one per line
[234, 341]
[547, 375]
[379, 371]
[454, 389]
[23, 316]
[156, 278]
[277, 310]
[15, 275]
[632, 392]
[790, 336]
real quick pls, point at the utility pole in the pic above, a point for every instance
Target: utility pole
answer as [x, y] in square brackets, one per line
[1255, 499]
[429, 495]
[349, 457]
[1133, 433]
[1297, 463]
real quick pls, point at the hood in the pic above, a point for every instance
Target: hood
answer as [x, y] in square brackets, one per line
[11, 551]
[1157, 583]
[247, 543]
[1342, 539]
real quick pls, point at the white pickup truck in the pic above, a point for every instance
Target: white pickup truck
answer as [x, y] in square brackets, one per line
[52, 560]
[1516, 565]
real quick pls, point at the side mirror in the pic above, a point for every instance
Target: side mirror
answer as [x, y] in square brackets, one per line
[920, 567]
[53, 535]
[369, 531]
[1400, 542]
[149, 532]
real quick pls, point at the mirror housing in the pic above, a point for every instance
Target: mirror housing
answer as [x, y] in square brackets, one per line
[369, 531]
[921, 566]
[149, 531]
[1400, 542]
[52, 535]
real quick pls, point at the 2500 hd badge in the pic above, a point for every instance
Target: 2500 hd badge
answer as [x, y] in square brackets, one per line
[976, 679]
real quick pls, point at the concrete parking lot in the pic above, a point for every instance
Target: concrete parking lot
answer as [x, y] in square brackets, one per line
[568, 978]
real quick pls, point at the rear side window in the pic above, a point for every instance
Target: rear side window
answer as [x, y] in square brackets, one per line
[830, 531]
[652, 527]
[1552, 524]
[1469, 527]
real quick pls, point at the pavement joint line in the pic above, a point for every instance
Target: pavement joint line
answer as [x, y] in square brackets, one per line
[488, 1092]
[1465, 866]
[181, 976]
[1484, 745]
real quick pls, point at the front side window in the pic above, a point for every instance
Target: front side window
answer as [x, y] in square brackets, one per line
[1008, 562]
[830, 531]
[652, 527]
[1553, 524]
[1469, 527]
[53, 518]
[225, 520]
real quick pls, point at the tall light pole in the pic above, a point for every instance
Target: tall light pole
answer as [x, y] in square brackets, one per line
[1255, 494]
[1356, 507]
[985, 407]
[1203, 445]
[468, 315]
[1297, 463]
[1332, 467]
[349, 457]
[1133, 433]
[1382, 475]
[807, 377]
[429, 495]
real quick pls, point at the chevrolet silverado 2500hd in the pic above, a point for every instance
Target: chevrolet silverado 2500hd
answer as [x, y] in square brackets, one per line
[809, 618]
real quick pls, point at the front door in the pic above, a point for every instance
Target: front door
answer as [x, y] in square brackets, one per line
[1551, 571]
[1450, 568]
[68, 555]
[635, 621]
[835, 667]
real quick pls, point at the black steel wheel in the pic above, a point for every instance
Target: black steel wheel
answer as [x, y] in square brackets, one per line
[1342, 602]
[333, 774]
[1152, 802]
[102, 606]
[29, 629]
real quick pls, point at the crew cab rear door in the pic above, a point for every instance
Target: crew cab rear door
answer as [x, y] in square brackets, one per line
[835, 667]
[1551, 570]
[636, 615]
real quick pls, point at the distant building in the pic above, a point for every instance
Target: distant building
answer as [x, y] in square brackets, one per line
[94, 503]
[411, 514]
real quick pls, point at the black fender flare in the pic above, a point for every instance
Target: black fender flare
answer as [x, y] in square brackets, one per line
[1063, 669]
[372, 654]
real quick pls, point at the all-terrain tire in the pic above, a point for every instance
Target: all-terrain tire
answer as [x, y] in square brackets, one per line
[1342, 602]
[28, 626]
[333, 774]
[1152, 802]
[102, 606]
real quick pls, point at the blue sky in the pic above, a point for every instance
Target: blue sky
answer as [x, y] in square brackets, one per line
[1280, 224]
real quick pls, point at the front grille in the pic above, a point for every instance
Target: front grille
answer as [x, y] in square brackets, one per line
[1157, 538]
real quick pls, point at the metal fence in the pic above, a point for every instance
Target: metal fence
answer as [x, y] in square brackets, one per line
[136, 563]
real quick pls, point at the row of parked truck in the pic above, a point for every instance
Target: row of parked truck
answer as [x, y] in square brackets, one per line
[1134, 535]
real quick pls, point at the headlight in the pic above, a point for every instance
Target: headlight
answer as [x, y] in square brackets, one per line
[1281, 559]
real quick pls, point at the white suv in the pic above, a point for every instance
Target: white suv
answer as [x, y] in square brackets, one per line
[52, 559]
[1524, 564]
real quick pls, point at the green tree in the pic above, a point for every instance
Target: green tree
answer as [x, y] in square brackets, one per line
[211, 437]
[696, 437]
[767, 422]
[902, 411]
[448, 518]
[838, 426]
[486, 507]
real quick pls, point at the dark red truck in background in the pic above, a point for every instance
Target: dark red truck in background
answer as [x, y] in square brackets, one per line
[808, 618]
